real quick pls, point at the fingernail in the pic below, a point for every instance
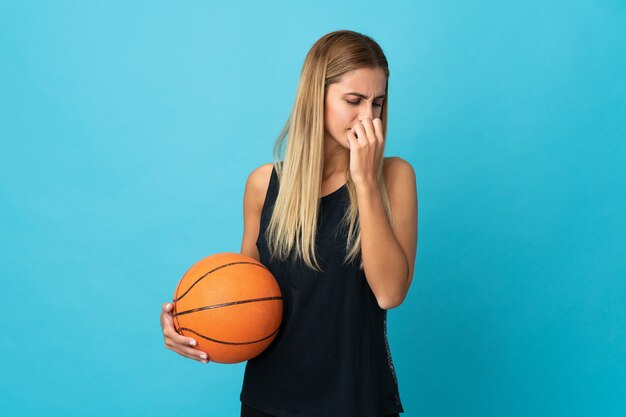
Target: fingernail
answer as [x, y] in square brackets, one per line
[167, 306]
[203, 356]
[192, 342]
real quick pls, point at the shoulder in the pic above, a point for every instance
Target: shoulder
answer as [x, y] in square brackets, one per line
[398, 173]
[257, 185]
[258, 181]
[260, 176]
[394, 162]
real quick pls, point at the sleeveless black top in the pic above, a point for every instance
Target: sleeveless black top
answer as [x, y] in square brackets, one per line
[330, 357]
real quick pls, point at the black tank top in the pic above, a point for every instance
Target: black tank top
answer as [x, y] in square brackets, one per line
[331, 356]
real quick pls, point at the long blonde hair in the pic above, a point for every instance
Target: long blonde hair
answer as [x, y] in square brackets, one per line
[295, 213]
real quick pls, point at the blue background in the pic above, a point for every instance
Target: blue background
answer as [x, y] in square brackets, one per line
[127, 133]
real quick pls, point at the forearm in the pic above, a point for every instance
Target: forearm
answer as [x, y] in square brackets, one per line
[384, 262]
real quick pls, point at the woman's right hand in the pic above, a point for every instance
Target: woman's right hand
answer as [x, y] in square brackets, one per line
[176, 342]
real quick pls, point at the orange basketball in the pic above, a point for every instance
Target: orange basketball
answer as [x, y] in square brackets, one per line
[230, 304]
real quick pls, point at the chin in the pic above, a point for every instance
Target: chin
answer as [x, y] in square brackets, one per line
[343, 143]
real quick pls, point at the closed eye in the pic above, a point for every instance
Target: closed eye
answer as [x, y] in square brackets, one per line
[357, 102]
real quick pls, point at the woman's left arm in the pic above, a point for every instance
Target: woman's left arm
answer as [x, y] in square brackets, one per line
[389, 252]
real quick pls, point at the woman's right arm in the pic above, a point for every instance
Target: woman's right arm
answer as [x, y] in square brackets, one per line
[253, 199]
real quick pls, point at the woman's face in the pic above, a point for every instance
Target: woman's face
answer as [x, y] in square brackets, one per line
[344, 107]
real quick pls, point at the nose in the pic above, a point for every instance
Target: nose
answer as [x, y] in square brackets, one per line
[366, 110]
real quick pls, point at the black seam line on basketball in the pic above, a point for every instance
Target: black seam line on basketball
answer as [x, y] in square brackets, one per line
[215, 269]
[229, 343]
[252, 300]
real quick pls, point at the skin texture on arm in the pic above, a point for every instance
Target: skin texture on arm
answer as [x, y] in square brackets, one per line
[253, 199]
[389, 252]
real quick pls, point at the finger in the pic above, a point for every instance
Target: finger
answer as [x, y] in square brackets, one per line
[359, 131]
[352, 141]
[167, 308]
[378, 129]
[170, 332]
[190, 353]
[194, 354]
[180, 343]
[369, 129]
[166, 316]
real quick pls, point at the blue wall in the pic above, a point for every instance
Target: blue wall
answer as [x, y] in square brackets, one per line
[127, 132]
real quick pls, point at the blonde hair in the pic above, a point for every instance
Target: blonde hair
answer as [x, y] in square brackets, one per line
[295, 213]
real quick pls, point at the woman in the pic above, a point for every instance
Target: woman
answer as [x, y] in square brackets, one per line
[336, 223]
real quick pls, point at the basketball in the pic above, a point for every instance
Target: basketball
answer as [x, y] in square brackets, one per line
[231, 304]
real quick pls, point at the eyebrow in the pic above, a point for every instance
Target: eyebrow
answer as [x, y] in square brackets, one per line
[363, 95]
